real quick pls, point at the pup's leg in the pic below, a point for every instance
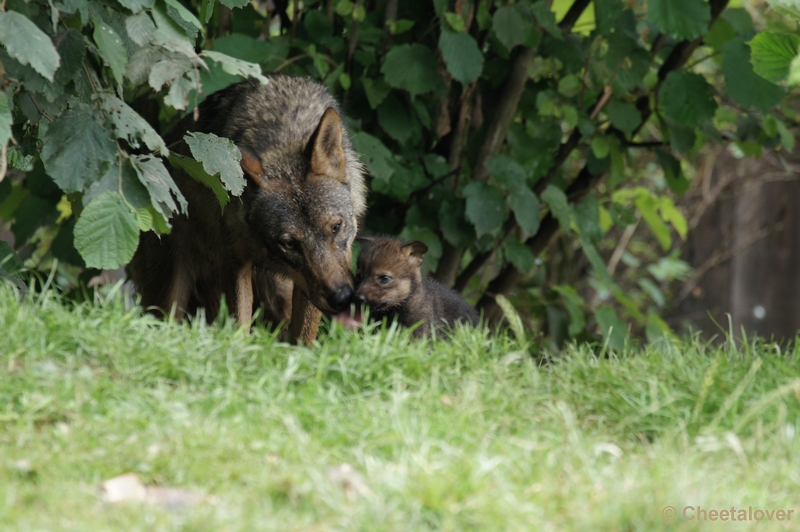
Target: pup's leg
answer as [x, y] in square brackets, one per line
[305, 318]
[244, 295]
[179, 289]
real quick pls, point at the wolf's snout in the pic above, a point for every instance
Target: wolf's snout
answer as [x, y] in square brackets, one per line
[340, 298]
[359, 298]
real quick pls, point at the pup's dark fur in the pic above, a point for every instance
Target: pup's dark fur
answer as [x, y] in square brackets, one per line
[285, 245]
[390, 282]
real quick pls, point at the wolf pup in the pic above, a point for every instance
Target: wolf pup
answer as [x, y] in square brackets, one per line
[285, 245]
[390, 282]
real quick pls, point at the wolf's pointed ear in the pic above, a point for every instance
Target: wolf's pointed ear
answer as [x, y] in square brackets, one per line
[252, 167]
[416, 251]
[327, 155]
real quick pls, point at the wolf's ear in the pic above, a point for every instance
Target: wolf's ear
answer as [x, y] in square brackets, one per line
[365, 239]
[416, 251]
[252, 167]
[327, 155]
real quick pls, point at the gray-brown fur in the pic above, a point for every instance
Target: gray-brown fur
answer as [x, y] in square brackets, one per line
[389, 280]
[287, 240]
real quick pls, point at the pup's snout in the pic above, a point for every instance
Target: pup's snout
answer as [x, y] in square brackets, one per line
[340, 299]
[359, 299]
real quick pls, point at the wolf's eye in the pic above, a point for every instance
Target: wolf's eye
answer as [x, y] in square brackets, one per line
[336, 228]
[289, 244]
[383, 279]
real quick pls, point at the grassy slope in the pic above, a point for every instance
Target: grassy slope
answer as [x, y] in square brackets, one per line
[467, 435]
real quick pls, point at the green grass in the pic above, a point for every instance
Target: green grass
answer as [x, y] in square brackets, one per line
[470, 434]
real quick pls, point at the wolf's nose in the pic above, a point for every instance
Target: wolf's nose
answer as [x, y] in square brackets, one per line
[360, 299]
[341, 298]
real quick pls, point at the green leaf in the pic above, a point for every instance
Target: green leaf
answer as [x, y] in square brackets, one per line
[129, 125]
[234, 3]
[741, 82]
[671, 214]
[462, 56]
[624, 116]
[10, 263]
[5, 120]
[344, 8]
[78, 148]
[75, 6]
[106, 234]
[574, 304]
[506, 171]
[397, 27]
[411, 67]
[29, 45]
[673, 173]
[72, 49]
[219, 156]
[519, 255]
[123, 179]
[486, 207]
[525, 206]
[647, 205]
[167, 71]
[140, 28]
[721, 32]
[374, 154]
[687, 98]
[773, 53]
[613, 329]
[547, 19]
[235, 66]
[509, 26]
[587, 218]
[197, 172]
[111, 48]
[570, 86]
[137, 5]
[376, 90]
[454, 21]
[185, 14]
[686, 19]
[141, 63]
[395, 119]
[154, 176]
[600, 146]
[144, 220]
[651, 289]
[786, 7]
[559, 206]
[453, 224]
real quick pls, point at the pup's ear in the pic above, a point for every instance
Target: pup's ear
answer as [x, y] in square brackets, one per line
[252, 167]
[327, 155]
[416, 251]
[365, 239]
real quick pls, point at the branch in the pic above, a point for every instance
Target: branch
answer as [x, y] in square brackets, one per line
[504, 114]
[572, 16]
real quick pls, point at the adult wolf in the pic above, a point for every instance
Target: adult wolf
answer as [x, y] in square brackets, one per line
[285, 245]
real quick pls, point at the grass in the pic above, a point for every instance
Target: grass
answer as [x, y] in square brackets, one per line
[469, 434]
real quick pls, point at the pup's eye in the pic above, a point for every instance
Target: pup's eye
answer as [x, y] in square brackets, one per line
[336, 228]
[383, 279]
[289, 244]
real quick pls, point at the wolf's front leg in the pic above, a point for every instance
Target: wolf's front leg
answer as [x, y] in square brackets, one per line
[244, 295]
[305, 318]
